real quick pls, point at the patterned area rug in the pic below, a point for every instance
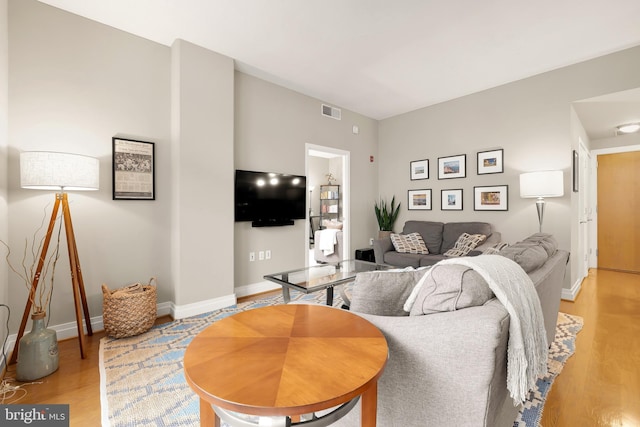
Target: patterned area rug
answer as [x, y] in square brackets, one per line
[561, 349]
[142, 381]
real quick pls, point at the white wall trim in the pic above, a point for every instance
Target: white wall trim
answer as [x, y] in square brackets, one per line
[187, 310]
[571, 294]
[256, 288]
[70, 330]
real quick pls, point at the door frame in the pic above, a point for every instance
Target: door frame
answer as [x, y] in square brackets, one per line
[344, 190]
[593, 261]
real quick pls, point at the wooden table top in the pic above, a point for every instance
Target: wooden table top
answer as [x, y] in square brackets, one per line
[285, 359]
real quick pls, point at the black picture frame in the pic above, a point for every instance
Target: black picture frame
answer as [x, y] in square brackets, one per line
[491, 161]
[451, 200]
[575, 165]
[452, 167]
[419, 200]
[491, 198]
[419, 169]
[133, 176]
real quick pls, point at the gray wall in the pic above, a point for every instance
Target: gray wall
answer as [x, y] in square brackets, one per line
[4, 213]
[530, 119]
[272, 125]
[73, 85]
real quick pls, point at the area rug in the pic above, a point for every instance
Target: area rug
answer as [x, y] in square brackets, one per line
[142, 381]
[561, 349]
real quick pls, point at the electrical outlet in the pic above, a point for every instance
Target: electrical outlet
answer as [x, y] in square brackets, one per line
[370, 241]
[261, 255]
[252, 256]
[267, 254]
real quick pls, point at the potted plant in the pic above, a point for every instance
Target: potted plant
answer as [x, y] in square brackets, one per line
[386, 214]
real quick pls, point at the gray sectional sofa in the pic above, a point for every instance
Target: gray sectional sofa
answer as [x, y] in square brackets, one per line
[450, 368]
[439, 237]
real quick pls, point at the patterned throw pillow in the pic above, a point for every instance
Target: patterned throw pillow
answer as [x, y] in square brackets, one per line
[409, 243]
[465, 244]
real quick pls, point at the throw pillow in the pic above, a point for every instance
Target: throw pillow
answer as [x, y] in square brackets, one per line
[528, 256]
[383, 293]
[465, 244]
[411, 243]
[494, 249]
[450, 287]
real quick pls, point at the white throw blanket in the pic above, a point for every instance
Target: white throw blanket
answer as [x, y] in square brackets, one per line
[527, 347]
[327, 240]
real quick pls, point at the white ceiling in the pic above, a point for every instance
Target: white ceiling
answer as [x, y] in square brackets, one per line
[381, 58]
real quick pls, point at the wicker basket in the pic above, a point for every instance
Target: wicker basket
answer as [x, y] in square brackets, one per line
[129, 311]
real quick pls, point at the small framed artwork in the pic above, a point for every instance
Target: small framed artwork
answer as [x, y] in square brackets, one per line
[452, 167]
[576, 171]
[419, 169]
[490, 162]
[451, 200]
[495, 198]
[419, 200]
[133, 170]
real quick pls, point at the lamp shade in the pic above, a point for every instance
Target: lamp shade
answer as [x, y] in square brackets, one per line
[541, 184]
[45, 170]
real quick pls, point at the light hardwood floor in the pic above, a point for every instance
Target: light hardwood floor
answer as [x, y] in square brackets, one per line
[599, 385]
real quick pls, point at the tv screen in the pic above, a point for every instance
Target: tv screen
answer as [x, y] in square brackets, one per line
[268, 198]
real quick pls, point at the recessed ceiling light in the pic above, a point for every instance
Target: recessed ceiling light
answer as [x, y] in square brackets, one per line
[629, 128]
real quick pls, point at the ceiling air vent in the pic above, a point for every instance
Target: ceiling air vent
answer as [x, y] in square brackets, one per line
[329, 111]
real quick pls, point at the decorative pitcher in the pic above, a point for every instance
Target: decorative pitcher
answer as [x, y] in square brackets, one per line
[38, 351]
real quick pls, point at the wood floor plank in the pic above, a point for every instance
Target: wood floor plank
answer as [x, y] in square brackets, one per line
[599, 385]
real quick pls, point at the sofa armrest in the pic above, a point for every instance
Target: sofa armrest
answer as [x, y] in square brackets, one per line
[380, 247]
[443, 362]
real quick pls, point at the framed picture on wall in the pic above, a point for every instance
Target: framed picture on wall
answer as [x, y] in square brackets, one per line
[495, 198]
[133, 169]
[490, 162]
[419, 169]
[576, 172]
[451, 200]
[452, 167]
[419, 200]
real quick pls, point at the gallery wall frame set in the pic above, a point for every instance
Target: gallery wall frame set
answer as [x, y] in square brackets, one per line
[491, 198]
[419, 200]
[490, 161]
[133, 169]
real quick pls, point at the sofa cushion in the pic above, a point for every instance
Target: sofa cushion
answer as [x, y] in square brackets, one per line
[430, 231]
[403, 260]
[448, 288]
[465, 244]
[383, 293]
[452, 230]
[547, 241]
[528, 255]
[409, 243]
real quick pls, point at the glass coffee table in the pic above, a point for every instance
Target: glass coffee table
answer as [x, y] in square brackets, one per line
[323, 276]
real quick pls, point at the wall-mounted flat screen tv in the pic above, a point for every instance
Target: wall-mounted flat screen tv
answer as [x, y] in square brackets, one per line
[269, 199]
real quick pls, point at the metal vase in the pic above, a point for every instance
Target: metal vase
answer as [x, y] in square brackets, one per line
[38, 351]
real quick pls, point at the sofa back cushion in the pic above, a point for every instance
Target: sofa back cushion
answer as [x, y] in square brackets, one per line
[383, 293]
[450, 287]
[431, 233]
[452, 230]
[532, 252]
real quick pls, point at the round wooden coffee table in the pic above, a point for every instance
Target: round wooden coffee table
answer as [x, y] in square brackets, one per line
[286, 360]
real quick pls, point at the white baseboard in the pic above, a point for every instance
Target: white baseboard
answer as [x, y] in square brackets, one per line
[256, 288]
[187, 310]
[571, 294]
[70, 330]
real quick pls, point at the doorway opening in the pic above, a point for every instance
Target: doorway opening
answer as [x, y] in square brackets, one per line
[323, 163]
